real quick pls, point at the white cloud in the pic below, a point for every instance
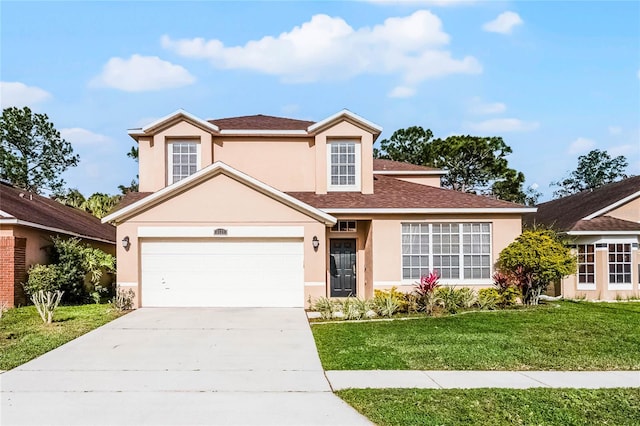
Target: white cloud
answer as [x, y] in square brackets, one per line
[498, 125]
[615, 130]
[504, 23]
[402, 92]
[328, 48]
[476, 106]
[626, 150]
[422, 2]
[142, 73]
[80, 136]
[581, 145]
[14, 93]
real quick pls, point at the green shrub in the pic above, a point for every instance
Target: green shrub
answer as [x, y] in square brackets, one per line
[76, 261]
[44, 278]
[325, 306]
[466, 297]
[354, 308]
[67, 255]
[399, 296]
[412, 303]
[385, 304]
[488, 298]
[509, 297]
[506, 285]
[447, 297]
[536, 258]
[123, 300]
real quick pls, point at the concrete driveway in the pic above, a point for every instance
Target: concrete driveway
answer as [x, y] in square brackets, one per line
[186, 366]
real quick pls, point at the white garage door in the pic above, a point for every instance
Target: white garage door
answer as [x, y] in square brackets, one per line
[249, 273]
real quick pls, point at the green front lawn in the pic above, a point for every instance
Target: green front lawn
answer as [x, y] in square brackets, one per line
[23, 335]
[555, 336]
[562, 407]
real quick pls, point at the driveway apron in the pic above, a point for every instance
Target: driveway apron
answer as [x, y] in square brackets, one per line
[180, 366]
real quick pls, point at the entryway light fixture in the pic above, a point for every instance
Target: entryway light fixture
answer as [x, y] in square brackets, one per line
[315, 242]
[126, 243]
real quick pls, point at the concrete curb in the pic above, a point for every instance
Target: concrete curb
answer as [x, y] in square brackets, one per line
[481, 379]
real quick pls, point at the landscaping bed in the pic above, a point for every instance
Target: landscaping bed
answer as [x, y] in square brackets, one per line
[553, 336]
[23, 335]
[562, 407]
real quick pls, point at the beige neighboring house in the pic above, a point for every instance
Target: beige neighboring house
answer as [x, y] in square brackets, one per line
[28, 221]
[267, 211]
[604, 227]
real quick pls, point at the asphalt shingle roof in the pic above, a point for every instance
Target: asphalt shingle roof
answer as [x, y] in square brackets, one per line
[34, 208]
[394, 193]
[399, 166]
[564, 213]
[260, 122]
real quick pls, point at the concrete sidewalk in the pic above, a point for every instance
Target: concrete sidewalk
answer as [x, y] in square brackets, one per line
[481, 379]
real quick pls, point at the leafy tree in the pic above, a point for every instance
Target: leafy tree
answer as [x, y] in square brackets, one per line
[532, 195]
[99, 204]
[408, 145]
[594, 169]
[133, 186]
[71, 197]
[33, 155]
[535, 259]
[474, 164]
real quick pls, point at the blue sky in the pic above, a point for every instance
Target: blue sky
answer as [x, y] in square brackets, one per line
[554, 79]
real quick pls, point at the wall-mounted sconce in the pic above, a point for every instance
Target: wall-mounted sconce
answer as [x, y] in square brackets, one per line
[126, 243]
[315, 243]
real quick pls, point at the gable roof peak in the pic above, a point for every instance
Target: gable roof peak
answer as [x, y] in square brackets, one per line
[346, 114]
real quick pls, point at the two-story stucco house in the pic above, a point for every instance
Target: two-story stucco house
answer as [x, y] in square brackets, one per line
[268, 211]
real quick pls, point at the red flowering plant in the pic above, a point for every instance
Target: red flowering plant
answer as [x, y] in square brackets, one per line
[507, 286]
[425, 291]
[428, 283]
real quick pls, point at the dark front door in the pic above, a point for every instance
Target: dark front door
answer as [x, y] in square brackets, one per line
[342, 266]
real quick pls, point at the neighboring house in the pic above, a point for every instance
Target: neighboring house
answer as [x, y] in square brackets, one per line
[268, 211]
[27, 223]
[604, 227]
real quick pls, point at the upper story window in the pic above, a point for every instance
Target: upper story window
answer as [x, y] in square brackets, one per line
[184, 157]
[343, 166]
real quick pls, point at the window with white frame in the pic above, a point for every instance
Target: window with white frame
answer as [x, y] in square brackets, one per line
[586, 264]
[344, 165]
[458, 251]
[344, 226]
[620, 263]
[184, 157]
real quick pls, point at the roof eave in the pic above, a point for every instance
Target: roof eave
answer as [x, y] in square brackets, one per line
[432, 210]
[152, 127]
[602, 232]
[14, 221]
[410, 172]
[211, 170]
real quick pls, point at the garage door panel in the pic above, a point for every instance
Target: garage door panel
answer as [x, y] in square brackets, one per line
[243, 273]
